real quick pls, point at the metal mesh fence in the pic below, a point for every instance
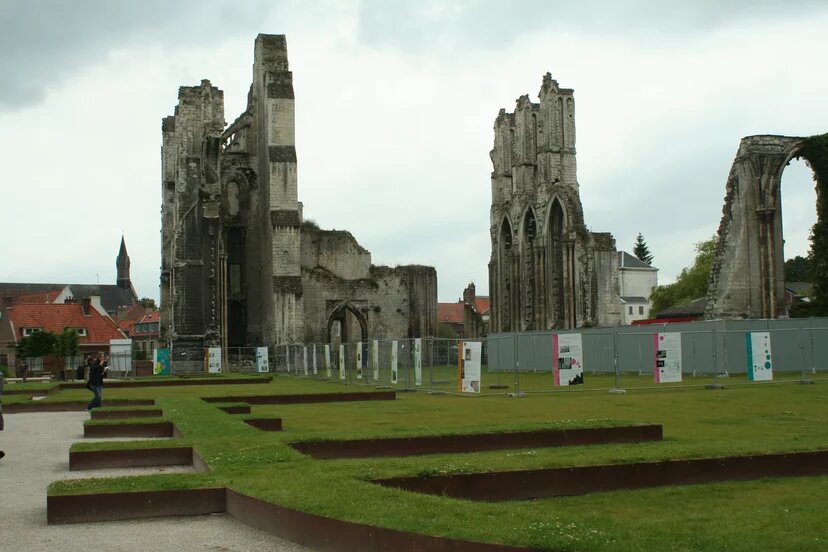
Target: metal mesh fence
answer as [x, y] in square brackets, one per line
[712, 353]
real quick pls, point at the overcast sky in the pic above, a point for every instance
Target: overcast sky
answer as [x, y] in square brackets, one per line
[395, 103]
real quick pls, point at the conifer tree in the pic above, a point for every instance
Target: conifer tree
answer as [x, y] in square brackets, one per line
[641, 251]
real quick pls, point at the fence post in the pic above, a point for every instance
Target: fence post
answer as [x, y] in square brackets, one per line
[715, 384]
[617, 390]
[694, 353]
[813, 367]
[802, 358]
[517, 392]
[724, 348]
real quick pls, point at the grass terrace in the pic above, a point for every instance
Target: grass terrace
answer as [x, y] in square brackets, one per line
[770, 514]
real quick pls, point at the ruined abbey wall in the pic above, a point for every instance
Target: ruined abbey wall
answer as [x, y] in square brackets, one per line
[239, 267]
[747, 279]
[546, 269]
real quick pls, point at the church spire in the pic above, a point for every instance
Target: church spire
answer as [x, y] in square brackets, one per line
[122, 263]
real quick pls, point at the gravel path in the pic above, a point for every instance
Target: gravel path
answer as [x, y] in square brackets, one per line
[37, 453]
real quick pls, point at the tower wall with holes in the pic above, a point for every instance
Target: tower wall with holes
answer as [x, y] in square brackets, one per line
[546, 269]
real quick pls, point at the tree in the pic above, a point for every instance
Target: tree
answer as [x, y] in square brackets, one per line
[67, 344]
[446, 331]
[35, 345]
[641, 251]
[799, 269]
[691, 283]
[147, 302]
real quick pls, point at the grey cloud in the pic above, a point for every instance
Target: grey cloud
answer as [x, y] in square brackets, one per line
[44, 41]
[420, 25]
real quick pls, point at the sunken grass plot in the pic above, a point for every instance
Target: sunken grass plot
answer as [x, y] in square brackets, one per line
[774, 514]
[129, 427]
[124, 412]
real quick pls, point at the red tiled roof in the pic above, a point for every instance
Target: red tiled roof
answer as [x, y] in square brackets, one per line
[127, 326]
[55, 317]
[148, 318]
[133, 313]
[482, 304]
[37, 298]
[151, 316]
[450, 312]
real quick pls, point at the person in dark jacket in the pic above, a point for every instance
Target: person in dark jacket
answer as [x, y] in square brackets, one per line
[97, 371]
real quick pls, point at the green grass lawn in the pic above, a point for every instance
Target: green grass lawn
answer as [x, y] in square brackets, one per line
[779, 514]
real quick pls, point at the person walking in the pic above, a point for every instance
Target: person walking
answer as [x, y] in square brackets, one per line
[97, 371]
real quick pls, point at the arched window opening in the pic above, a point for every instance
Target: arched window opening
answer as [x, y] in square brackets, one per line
[798, 213]
[504, 275]
[528, 266]
[556, 262]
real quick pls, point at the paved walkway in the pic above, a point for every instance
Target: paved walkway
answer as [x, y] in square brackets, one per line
[37, 453]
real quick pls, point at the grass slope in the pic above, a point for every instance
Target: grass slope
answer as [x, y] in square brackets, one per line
[781, 514]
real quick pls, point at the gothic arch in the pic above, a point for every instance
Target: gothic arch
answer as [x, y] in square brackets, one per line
[560, 270]
[505, 274]
[529, 264]
[747, 278]
[339, 314]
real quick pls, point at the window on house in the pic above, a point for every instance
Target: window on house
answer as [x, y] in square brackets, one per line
[80, 331]
[630, 309]
[30, 331]
[640, 310]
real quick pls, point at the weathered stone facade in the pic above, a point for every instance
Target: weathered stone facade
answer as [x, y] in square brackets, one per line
[748, 275]
[546, 269]
[239, 266]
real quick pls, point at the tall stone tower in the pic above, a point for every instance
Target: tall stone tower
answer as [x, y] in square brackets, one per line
[189, 226]
[122, 264]
[274, 124]
[239, 266]
[546, 269]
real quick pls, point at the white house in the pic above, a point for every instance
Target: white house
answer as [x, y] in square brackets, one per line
[636, 280]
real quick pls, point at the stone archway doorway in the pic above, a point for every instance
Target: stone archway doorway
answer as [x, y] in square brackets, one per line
[346, 324]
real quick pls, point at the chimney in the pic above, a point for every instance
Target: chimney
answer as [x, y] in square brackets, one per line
[86, 305]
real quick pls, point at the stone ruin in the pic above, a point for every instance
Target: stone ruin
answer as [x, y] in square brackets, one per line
[240, 266]
[748, 275]
[546, 270]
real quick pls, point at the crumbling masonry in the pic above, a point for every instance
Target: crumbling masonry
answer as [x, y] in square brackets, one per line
[546, 269]
[747, 279]
[239, 265]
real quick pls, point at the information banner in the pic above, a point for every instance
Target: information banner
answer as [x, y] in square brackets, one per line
[314, 360]
[375, 359]
[567, 359]
[214, 360]
[759, 363]
[359, 360]
[418, 361]
[342, 361]
[161, 362]
[667, 367]
[394, 361]
[469, 366]
[120, 356]
[328, 359]
[262, 364]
